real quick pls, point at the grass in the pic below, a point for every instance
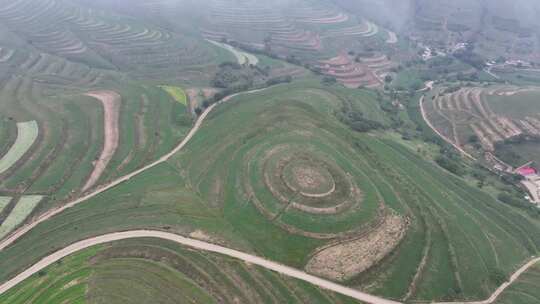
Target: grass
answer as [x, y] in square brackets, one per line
[241, 57]
[516, 106]
[22, 209]
[27, 133]
[461, 232]
[4, 201]
[458, 231]
[157, 271]
[177, 93]
[63, 282]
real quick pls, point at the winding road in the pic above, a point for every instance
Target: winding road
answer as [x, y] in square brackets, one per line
[201, 245]
[252, 259]
[501, 288]
[424, 116]
[47, 215]
[289, 271]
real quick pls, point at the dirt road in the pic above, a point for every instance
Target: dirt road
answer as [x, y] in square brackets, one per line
[252, 259]
[201, 244]
[424, 116]
[501, 288]
[288, 271]
[47, 215]
[111, 112]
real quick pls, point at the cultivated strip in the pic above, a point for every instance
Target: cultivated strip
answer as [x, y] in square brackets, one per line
[241, 57]
[22, 209]
[47, 215]
[27, 133]
[4, 201]
[252, 259]
[111, 106]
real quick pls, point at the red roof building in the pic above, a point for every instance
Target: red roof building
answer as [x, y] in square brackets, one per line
[526, 171]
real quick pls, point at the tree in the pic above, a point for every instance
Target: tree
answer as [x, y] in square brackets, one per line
[329, 80]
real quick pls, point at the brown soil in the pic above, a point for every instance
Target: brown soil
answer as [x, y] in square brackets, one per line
[347, 259]
[308, 177]
[111, 105]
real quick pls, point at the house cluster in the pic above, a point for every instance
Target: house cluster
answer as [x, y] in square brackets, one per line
[531, 182]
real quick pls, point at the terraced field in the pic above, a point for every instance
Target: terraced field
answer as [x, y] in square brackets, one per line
[369, 72]
[492, 114]
[61, 134]
[241, 57]
[103, 40]
[147, 266]
[315, 192]
[27, 133]
[94, 90]
[73, 128]
[21, 209]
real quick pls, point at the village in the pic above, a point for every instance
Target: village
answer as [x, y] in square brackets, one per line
[530, 181]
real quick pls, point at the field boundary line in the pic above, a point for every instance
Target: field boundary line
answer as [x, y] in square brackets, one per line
[248, 258]
[501, 288]
[201, 245]
[51, 213]
[424, 116]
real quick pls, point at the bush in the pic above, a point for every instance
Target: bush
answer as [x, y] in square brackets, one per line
[328, 80]
[278, 80]
[497, 276]
[450, 164]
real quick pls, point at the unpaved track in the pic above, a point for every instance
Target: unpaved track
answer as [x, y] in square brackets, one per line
[501, 288]
[201, 245]
[288, 271]
[424, 116]
[252, 259]
[47, 215]
[111, 114]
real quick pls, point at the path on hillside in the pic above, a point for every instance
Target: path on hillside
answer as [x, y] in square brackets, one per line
[110, 101]
[252, 259]
[424, 116]
[501, 288]
[249, 258]
[47, 215]
[286, 270]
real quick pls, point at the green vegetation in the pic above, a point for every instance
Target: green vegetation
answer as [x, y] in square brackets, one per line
[4, 201]
[282, 172]
[18, 214]
[157, 271]
[27, 133]
[518, 105]
[219, 186]
[177, 93]
[241, 57]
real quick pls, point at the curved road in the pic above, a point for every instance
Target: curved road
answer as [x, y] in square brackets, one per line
[47, 215]
[252, 259]
[501, 288]
[198, 245]
[424, 116]
[289, 271]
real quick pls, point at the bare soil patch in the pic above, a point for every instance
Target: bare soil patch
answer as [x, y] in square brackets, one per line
[111, 106]
[349, 258]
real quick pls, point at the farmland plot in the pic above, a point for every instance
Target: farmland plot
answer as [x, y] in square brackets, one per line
[492, 115]
[241, 57]
[20, 212]
[27, 133]
[4, 201]
[177, 93]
